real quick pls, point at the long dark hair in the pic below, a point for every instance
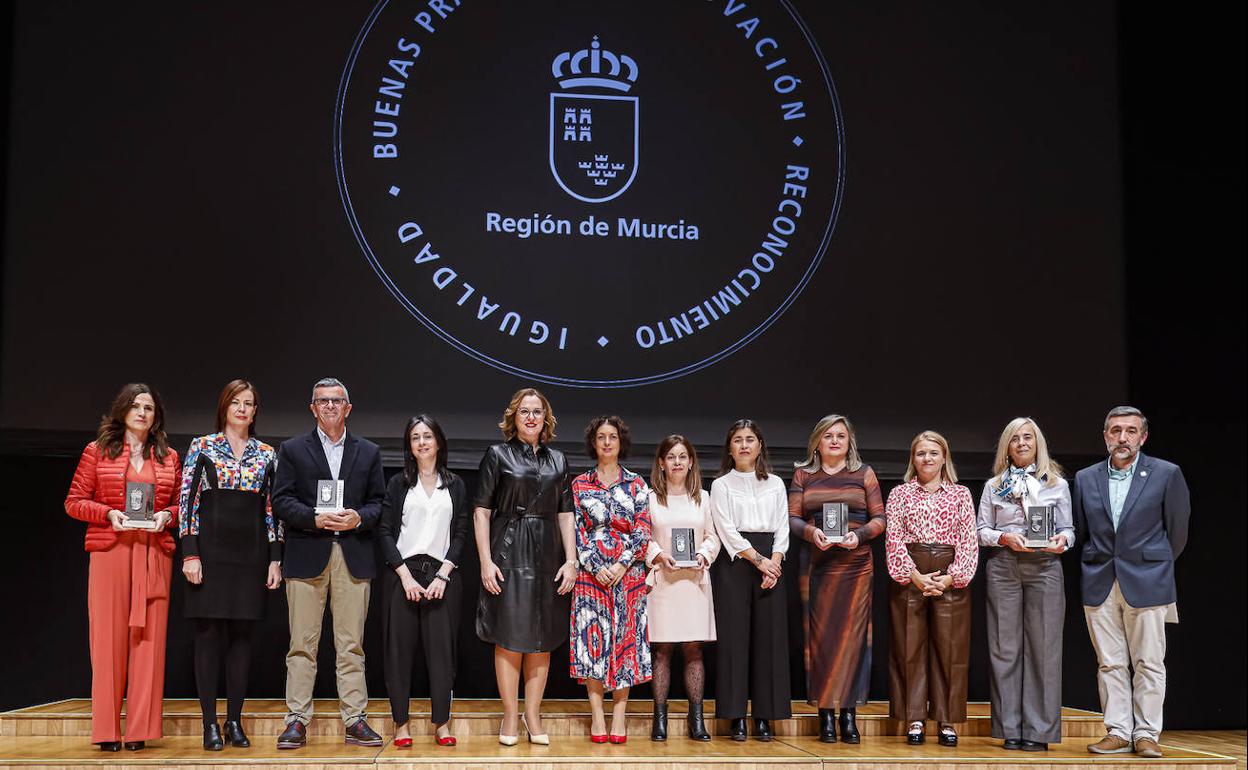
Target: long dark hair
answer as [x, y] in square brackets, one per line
[762, 467]
[111, 436]
[411, 472]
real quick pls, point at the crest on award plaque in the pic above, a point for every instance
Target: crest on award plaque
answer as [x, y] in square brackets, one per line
[682, 547]
[835, 521]
[1040, 526]
[328, 496]
[140, 510]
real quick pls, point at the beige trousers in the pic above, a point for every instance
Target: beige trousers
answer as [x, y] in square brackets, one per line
[348, 601]
[1126, 638]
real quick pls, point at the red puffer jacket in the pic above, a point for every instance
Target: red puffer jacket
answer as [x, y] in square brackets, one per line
[99, 486]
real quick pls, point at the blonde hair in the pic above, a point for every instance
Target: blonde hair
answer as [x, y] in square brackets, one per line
[1047, 470]
[658, 477]
[946, 470]
[508, 425]
[813, 462]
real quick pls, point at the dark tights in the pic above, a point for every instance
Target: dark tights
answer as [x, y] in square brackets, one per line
[216, 638]
[695, 672]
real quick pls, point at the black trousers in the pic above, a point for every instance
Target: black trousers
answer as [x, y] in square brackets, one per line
[430, 625]
[752, 650]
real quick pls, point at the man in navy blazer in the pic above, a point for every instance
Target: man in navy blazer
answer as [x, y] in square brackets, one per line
[1131, 513]
[328, 556]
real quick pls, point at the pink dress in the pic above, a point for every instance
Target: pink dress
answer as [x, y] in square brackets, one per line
[680, 608]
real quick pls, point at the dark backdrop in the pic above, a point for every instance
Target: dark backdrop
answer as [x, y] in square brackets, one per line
[1182, 100]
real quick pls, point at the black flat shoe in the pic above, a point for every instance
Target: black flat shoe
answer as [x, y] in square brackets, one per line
[947, 737]
[212, 738]
[1033, 746]
[762, 730]
[736, 730]
[235, 735]
[110, 745]
[135, 745]
[849, 726]
[827, 726]
[658, 726]
[1012, 744]
[697, 723]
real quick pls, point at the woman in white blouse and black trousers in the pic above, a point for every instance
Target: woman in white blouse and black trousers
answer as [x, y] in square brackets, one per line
[749, 505]
[423, 529]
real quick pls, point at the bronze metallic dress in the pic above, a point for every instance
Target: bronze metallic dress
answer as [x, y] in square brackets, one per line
[526, 489]
[836, 584]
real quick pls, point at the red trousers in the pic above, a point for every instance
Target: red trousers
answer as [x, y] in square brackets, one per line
[128, 611]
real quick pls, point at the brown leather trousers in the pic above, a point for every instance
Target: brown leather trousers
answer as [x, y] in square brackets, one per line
[931, 643]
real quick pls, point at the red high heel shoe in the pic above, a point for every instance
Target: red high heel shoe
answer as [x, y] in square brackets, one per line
[618, 739]
[402, 743]
[597, 738]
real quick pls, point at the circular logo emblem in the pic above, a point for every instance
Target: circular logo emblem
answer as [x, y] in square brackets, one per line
[594, 195]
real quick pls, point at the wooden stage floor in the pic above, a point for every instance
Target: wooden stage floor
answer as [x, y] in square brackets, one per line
[57, 735]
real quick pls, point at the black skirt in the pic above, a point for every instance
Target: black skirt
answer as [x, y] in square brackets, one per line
[529, 615]
[234, 552]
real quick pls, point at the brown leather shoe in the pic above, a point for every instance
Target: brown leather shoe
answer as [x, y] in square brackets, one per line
[1147, 747]
[360, 734]
[1111, 744]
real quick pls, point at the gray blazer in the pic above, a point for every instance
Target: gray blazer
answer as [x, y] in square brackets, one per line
[1150, 536]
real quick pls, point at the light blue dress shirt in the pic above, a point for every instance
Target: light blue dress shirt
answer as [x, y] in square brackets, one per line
[1119, 487]
[333, 450]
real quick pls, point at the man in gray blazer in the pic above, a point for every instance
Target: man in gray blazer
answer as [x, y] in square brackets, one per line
[1131, 514]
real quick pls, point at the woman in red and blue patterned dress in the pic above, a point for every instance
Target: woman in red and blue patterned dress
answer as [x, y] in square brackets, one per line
[610, 650]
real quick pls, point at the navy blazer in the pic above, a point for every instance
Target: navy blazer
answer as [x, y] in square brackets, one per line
[1150, 536]
[300, 464]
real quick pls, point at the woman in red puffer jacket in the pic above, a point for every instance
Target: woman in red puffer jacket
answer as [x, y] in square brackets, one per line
[128, 577]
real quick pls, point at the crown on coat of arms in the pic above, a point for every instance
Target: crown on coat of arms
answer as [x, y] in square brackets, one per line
[594, 67]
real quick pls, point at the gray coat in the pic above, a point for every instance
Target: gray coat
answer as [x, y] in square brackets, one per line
[1150, 536]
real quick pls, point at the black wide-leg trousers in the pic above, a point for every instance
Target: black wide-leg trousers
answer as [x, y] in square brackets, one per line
[431, 624]
[752, 630]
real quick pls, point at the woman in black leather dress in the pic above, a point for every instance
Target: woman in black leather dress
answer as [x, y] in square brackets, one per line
[526, 541]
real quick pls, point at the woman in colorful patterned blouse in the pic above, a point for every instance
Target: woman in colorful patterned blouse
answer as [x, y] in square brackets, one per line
[680, 608]
[1026, 591]
[231, 552]
[836, 577]
[610, 647]
[932, 555]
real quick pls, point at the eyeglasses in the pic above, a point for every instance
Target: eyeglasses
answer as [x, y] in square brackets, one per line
[324, 402]
[529, 414]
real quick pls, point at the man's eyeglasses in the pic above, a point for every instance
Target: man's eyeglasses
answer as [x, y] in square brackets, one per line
[324, 402]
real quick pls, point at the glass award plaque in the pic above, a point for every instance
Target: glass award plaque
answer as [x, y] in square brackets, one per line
[835, 523]
[140, 506]
[328, 496]
[1040, 527]
[682, 547]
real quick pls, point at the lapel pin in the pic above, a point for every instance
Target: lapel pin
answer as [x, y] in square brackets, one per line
[1143, 473]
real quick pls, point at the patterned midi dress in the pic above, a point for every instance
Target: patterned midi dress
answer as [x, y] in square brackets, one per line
[609, 641]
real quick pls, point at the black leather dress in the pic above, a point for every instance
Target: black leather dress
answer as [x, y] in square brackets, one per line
[526, 490]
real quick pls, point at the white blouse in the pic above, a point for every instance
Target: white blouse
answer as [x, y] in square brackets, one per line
[426, 523]
[740, 502]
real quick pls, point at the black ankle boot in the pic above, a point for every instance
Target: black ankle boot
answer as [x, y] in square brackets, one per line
[762, 729]
[697, 723]
[234, 734]
[736, 729]
[849, 726]
[212, 737]
[827, 726]
[658, 728]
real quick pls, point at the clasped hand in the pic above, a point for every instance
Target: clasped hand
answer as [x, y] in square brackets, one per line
[931, 583]
[340, 521]
[609, 576]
